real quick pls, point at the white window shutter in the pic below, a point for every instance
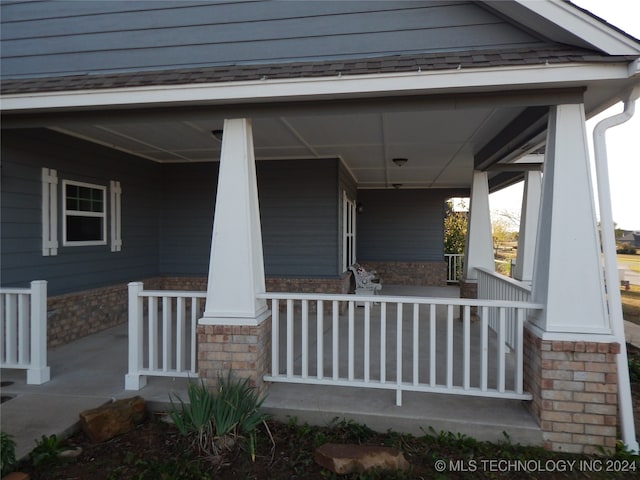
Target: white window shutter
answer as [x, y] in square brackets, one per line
[116, 213]
[49, 212]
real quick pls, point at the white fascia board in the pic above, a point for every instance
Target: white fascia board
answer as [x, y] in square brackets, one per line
[568, 17]
[440, 81]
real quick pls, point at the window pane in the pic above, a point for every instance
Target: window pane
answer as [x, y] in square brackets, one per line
[84, 229]
[84, 199]
[97, 203]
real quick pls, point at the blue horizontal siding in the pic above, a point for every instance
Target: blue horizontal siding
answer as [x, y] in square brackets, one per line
[24, 154]
[55, 38]
[401, 225]
[299, 213]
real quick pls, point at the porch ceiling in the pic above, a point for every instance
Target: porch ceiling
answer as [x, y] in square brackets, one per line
[439, 144]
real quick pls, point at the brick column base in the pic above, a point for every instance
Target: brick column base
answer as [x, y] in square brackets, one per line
[574, 388]
[243, 350]
[468, 289]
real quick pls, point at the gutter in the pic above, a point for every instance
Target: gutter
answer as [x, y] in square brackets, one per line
[611, 266]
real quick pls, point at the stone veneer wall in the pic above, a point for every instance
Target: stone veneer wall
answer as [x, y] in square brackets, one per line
[574, 388]
[410, 273]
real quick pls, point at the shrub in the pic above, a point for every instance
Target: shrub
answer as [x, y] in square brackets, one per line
[7, 453]
[626, 249]
[47, 451]
[634, 368]
[218, 422]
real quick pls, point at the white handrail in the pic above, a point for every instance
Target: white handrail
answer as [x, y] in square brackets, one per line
[494, 287]
[162, 333]
[396, 343]
[23, 322]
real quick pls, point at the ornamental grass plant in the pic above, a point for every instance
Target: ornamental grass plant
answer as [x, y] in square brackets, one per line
[221, 421]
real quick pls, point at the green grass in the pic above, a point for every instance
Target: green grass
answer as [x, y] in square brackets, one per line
[631, 303]
[632, 261]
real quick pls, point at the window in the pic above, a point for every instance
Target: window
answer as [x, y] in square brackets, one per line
[84, 214]
[348, 232]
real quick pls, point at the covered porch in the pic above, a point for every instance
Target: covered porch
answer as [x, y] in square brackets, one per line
[89, 372]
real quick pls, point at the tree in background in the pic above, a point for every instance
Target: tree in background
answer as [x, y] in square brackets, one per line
[455, 229]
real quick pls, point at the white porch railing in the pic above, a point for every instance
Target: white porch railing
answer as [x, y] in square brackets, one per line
[162, 333]
[23, 331]
[495, 286]
[454, 266]
[397, 343]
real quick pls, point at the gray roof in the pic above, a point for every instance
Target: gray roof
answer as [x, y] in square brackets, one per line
[389, 64]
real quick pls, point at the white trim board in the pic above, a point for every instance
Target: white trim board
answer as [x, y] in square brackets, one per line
[440, 81]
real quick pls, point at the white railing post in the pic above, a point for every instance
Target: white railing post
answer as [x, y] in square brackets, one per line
[133, 380]
[38, 372]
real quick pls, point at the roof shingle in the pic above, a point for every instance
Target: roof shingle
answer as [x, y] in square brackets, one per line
[235, 73]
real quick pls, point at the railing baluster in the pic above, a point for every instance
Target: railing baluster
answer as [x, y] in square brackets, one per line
[24, 357]
[320, 339]
[290, 350]
[275, 337]
[367, 335]
[3, 328]
[416, 344]
[195, 312]
[501, 349]
[466, 319]
[484, 348]
[432, 345]
[383, 342]
[449, 346]
[166, 333]
[335, 347]
[351, 335]
[399, 354]
[519, 351]
[153, 333]
[305, 338]
[180, 332]
[11, 329]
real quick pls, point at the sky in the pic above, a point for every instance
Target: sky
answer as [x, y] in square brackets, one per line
[623, 141]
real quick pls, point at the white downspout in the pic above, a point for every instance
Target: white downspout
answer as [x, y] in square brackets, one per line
[610, 265]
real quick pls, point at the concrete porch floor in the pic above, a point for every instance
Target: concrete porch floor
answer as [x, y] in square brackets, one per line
[90, 372]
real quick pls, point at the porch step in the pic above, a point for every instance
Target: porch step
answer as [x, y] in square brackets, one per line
[481, 418]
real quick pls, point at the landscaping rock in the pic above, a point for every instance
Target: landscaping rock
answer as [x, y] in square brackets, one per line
[343, 459]
[16, 476]
[103, 423]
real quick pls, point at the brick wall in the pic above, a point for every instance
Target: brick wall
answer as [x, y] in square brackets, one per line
[410, 273]
[245, 351]
[574, 388]
[76, 315]
[310, 285]
[468, 289]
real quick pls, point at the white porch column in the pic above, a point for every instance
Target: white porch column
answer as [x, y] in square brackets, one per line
[479, 248]
[236, 267]
[528, 226]
[567, 275]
